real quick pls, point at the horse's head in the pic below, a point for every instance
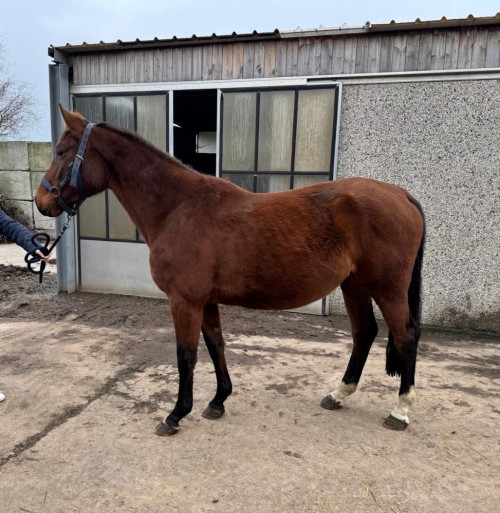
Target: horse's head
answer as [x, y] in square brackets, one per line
[69, 179]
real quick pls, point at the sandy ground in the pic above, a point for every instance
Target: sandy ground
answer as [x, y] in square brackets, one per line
[87, 378]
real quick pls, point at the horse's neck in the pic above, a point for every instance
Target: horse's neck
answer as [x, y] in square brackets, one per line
[149, 185]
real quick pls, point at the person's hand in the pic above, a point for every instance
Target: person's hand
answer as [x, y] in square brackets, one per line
[43, 258]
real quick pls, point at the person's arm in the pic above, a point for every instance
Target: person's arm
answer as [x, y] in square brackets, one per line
[16, 232]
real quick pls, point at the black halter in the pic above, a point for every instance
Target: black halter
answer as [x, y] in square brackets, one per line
[73, 176]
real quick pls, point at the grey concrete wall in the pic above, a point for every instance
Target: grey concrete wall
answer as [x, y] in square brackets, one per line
[441, 141]
[22, 165]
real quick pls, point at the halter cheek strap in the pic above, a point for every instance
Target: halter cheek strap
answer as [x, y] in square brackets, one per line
[73, 176]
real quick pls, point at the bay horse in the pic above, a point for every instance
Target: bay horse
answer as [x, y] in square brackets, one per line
[212, 243]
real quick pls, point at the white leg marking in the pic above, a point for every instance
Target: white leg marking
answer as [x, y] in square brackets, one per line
[342, 391]
[404, 402]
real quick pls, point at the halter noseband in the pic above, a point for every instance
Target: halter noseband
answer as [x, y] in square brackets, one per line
[73, 176]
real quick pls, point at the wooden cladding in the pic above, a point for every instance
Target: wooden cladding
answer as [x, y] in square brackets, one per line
[451, 49]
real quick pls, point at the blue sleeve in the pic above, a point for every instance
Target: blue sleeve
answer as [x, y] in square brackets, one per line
[16, 232]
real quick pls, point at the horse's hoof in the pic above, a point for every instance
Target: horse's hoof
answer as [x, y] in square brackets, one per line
[164, 428]
[395, 424]
[331, 404]
[212, 413]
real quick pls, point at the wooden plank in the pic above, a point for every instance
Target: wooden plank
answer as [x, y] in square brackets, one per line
[399, 52]
[361, 62]
[292, 51]
[197, 63]
[338, 53]
[238, 58]
[492, 59]
[480, 42]
[139, 67]
[315, 62]
[121, 67]
[217, 62]
[374, 49]
[148, 66]
[350, 55]
[303, 56]
[129, 67]
[259, 59]
[452, 43]
[465, 48]
[248, 50]
[187, 64]
[111, 71]
[227, 62]
[281, 55]
[438, 49]
[386, 50]
[177, 64]
[168, 63]
[326, 62]
[207, 63]
[425, 51]
[157, 65]
[270, 59]
[411, 58]
[78, 65]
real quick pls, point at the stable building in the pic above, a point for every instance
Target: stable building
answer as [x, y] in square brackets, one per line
[416, 104]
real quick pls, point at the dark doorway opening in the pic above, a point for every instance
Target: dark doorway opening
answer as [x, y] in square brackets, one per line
[195, 126]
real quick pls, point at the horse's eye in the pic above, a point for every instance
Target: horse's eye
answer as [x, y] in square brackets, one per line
[59, 153]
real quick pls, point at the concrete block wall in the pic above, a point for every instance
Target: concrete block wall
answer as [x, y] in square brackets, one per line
[22, 165]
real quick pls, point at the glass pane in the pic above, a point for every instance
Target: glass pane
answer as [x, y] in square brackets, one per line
[273, 183]
[245, 181]
[92, 217]
[90, 108]
[313, 143]
[92, 213]
[303, 181]
[120, 225]
[275, 130]
[120, 111]
[152, 119]
[238, 138]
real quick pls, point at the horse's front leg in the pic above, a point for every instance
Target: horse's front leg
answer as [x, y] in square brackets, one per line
[212, 334]
[187, 322]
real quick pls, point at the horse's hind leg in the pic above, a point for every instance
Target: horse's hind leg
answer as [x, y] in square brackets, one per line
[212, 334]
[401, 355]
[364, 330]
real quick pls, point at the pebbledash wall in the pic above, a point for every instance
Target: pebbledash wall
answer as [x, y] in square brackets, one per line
[419, 106]
[22, 164]
[440, 141]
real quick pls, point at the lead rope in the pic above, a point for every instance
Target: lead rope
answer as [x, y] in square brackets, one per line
[33, 258]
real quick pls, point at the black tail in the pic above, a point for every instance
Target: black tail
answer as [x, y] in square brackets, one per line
[393, 365]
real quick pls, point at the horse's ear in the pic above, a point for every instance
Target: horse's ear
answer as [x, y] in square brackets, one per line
[75, 122]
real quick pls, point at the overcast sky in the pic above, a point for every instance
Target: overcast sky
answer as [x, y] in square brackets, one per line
[28, 27]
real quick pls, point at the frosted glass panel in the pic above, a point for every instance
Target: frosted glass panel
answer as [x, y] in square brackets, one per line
[303, 181]
[238, 139]
[120, 225]
[152, 119]
[92, 213]
[90, 108]
[120, 111]
[92, 217]
[314, 130]
[272, 183]
[275, 130]
[243, 180]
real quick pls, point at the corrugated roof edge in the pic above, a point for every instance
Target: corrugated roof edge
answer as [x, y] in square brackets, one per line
[276, 34]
